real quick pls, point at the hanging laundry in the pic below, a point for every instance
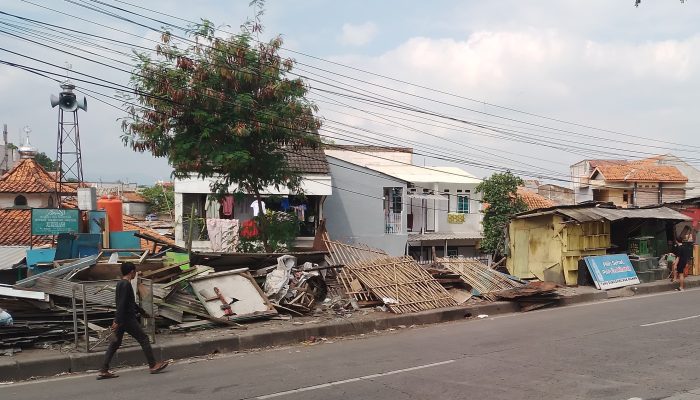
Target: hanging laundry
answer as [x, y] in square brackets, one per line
[212, 207]
[223, 234]
[285, 204]
[300, 211]
[227, 203]
[255, 208]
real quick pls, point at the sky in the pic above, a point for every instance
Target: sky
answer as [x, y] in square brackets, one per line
[528, 86]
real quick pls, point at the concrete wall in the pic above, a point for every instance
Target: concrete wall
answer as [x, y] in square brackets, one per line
[312, 184]
[358, 216]
[437, 210]
[558, 194]
[137, 210]
[34, 200]
[692, 173]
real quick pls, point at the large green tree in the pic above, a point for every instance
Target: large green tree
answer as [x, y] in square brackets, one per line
[500, 191]
[222, 108]
[46, 162]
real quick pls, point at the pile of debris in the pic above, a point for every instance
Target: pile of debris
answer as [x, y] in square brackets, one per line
[73, 300]
[399, 283]
[76, 299]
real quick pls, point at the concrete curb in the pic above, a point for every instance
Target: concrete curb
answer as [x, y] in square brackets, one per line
[184, 347]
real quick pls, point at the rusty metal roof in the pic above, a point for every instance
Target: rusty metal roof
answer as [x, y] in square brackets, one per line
[589, 213]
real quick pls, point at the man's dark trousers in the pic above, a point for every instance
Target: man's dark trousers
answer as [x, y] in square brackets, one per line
[133, 328]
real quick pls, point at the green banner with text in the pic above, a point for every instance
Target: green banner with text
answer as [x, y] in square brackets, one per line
[52, 221]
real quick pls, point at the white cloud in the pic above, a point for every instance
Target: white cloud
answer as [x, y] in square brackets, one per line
[641, 88]
[358, 35]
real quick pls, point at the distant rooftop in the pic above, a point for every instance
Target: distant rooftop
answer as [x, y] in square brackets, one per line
[414, 173]
[350, 147]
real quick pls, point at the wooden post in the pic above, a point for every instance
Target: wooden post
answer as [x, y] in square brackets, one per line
[189, 233]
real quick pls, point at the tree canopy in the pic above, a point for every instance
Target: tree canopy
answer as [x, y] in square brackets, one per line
[160, 198]
[500, 192]
[46, 162]
[221, 108]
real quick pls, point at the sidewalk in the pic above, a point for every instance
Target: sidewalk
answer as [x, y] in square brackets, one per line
[40, 363]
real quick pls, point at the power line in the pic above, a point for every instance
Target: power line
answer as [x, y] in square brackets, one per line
[456, 119]
[655, 140]
[439, 115]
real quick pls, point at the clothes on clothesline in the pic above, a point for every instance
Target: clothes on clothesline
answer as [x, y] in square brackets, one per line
[256, 209]
[300, 211]
[285, 204]
[227, 205]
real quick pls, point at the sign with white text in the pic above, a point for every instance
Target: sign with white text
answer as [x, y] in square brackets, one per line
[53, 221]
[611, 271]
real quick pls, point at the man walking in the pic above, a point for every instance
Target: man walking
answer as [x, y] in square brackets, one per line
[684, 253]
[126, 320]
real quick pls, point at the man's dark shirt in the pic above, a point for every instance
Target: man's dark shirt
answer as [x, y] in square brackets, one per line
[126, 303]
[684, 252]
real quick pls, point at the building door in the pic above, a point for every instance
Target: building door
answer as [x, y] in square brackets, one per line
[521, 251]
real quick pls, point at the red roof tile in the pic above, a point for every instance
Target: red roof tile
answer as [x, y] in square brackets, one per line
[16, 228]
[640, 172]
[30, 177]
[132, 224]
[534, 200]
[133, 197]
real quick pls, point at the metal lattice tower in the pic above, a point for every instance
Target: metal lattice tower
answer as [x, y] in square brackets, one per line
[68, 154]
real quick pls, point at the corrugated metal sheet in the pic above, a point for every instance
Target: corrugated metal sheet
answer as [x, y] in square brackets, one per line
[587, 214]
[12, 255]
[97, 292]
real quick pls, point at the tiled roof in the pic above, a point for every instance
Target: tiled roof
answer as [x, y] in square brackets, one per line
[308, 161]
[16, 225]
[16, 228]
[133, 197]
[534, 200]
[133, 224]
[595, 163]
[640, 172]
[27, 177]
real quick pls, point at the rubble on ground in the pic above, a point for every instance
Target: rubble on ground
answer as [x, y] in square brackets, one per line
[73, 300]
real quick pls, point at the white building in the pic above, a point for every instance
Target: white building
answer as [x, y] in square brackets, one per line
[427, 210]
[195, 194]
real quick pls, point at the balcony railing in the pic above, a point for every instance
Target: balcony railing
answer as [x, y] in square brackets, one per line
[393, 223]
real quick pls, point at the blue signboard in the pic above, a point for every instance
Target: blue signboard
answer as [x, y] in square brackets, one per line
[611, 271]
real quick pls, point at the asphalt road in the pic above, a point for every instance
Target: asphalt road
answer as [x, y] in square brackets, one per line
[640, 347]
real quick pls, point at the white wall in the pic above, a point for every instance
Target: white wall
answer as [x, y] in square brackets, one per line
[450, 190]
[34, 200]
[313, 185]
[357, 216]
[366, 157]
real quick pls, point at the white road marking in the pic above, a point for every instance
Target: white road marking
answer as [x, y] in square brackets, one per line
[671, 320]
[361, 378]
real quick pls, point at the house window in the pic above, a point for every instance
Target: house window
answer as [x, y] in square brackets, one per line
[20, 200]
[463, 204]
[393, 205]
